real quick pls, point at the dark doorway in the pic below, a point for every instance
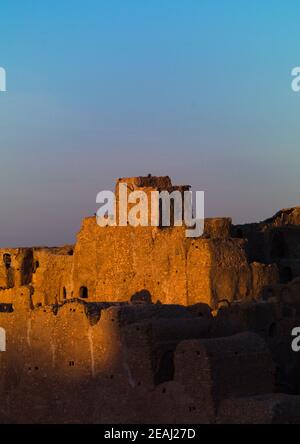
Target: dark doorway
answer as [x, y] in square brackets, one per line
[7, 260]
[83, 293]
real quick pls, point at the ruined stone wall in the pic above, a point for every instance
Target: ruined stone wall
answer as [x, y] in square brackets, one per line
[80, 362]
[275, 240]
[48, 271]
[52, 276]
[114, 263]
[15, 267]
[215, 356]
[148, 185]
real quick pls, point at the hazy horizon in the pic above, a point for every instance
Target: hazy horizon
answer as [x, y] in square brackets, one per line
[199, 91]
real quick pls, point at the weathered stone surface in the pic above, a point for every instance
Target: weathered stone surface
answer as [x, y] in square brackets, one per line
[145, 325]
[117, 263]
[275, 240]
[237, 365]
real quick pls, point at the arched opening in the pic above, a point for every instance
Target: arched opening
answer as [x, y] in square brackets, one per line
[27, 267]
[9, 270]
[7, 260]
[83, 293]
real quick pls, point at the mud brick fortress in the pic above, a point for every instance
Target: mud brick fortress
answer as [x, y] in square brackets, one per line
[145, 325]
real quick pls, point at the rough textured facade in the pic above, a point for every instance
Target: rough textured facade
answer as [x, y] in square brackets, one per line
[114, 263]
[144, 325]
[275, 240]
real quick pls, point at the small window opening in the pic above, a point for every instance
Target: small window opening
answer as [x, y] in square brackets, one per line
[83, 293]
[7, 260]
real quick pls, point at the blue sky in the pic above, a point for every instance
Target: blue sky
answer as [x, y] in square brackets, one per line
[197, 89]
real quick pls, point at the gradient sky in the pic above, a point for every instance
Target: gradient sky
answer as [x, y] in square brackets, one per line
[98, 89]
